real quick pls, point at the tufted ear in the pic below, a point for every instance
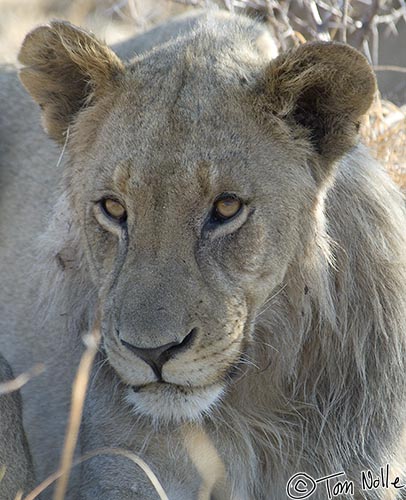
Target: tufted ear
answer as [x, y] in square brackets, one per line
[65, 68]
[325, 87]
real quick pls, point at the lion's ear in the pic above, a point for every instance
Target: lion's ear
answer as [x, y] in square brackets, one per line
[65, 68]
[325, 87]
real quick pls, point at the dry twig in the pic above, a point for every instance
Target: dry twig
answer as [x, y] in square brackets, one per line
[78, 398]
[21, 380]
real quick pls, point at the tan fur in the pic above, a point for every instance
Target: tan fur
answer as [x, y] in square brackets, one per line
[297, 306]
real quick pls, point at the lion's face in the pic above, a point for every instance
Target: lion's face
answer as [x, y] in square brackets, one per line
[192, 197]
[187, 235]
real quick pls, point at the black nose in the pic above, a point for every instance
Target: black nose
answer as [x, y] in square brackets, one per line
[156, 357]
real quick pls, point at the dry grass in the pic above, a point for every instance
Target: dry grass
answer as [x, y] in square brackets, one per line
[384, 131]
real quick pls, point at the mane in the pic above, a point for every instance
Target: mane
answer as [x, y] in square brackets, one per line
[327, 360]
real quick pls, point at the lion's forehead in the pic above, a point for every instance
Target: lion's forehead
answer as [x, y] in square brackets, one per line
[142, 144]
[139, 154]
[157, 119]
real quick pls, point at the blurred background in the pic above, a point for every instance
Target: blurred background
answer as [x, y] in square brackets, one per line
[375, 27]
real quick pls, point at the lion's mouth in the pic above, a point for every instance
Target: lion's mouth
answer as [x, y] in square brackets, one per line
[233, 373]
[140, 387]
[162, 385]
[186, 389]
[167, 402]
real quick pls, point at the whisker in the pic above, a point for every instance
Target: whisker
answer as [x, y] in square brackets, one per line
[64, 148]
[268, 301]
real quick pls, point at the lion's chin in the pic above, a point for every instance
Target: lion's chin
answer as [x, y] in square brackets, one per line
[169, 403]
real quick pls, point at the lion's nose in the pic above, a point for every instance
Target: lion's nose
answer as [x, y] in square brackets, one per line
[156, 357]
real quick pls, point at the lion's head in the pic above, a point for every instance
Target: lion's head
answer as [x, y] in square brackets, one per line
[194, 181]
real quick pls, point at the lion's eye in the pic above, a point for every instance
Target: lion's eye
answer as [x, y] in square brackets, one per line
[226, 207]
[114, 209]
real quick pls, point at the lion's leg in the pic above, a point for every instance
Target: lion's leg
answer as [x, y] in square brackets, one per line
[16, 471]
[109, 425]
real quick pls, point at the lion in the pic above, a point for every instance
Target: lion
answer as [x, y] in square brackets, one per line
[16, 469]
[209, 202]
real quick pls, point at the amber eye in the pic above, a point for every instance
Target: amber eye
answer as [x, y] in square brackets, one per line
[114, 209]
[226, 207]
